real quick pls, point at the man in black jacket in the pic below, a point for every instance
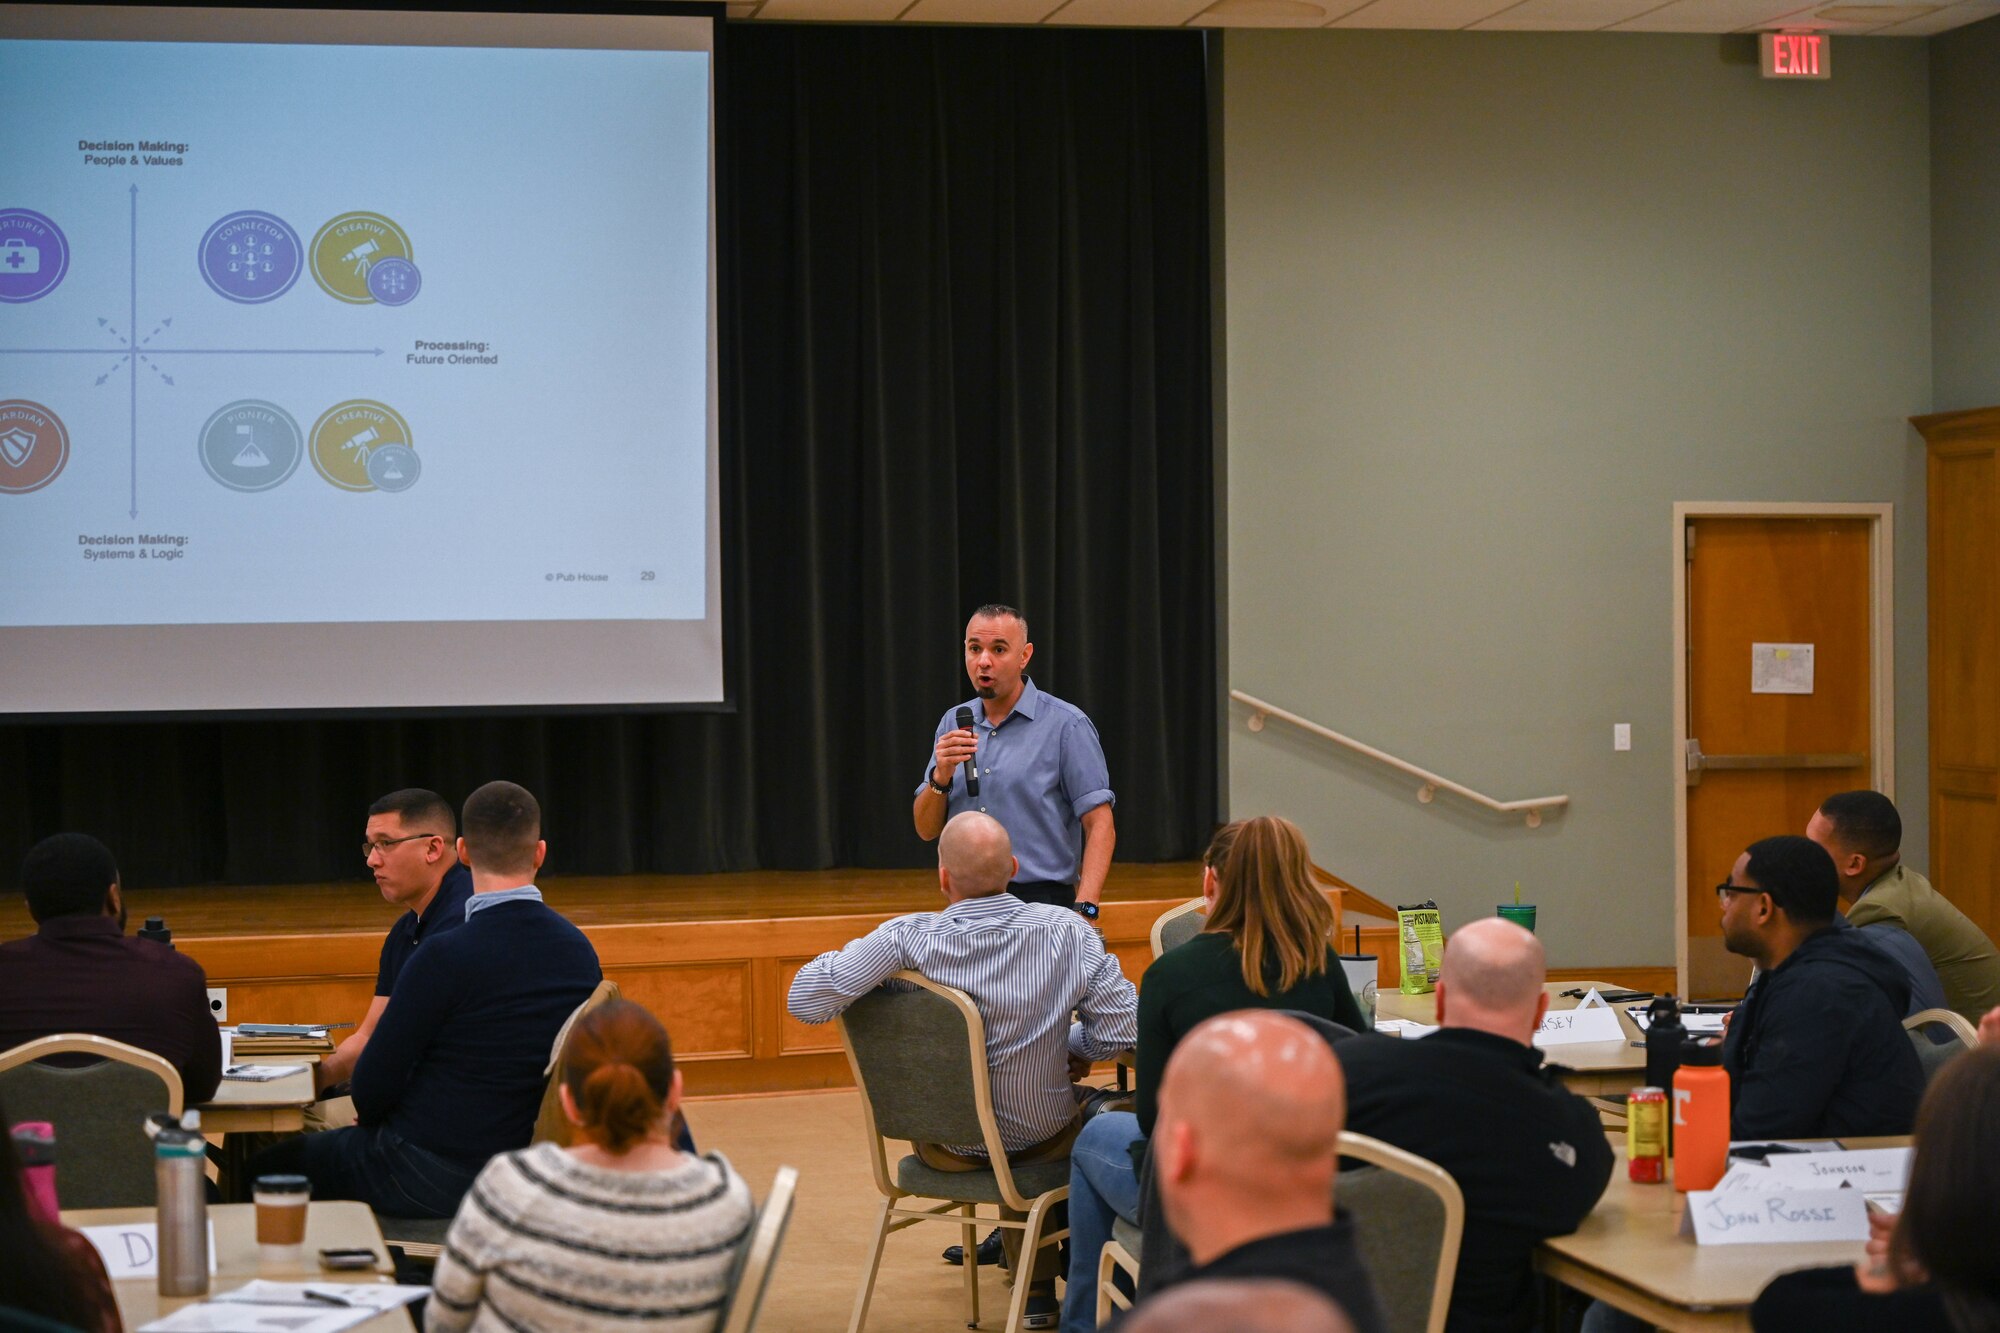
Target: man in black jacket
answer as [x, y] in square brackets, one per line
[1528, 1154]
[1817, 1048]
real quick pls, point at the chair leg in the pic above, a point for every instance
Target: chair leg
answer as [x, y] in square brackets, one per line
[971, 1244]
[1031, 1243]
[868, 1277]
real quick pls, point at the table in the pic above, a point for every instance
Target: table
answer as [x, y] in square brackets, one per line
[1591, 1068]
[329, 1225]
[276, 1107]
[1629, 1254]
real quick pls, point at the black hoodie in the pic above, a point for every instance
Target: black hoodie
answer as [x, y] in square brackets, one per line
[1817, 1048]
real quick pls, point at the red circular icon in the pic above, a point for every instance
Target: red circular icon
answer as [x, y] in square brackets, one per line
[34, 446]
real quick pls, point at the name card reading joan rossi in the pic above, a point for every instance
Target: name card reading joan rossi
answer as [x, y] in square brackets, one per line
[1761, 1216]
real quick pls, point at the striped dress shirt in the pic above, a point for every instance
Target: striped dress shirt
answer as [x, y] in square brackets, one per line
[1027, 966]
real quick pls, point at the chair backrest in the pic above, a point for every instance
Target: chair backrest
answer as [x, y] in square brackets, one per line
[1178, 925]
[755, 1260]
[1939, 1035]
[918, 1051]
[1409, 1217]
[551, 1125]
[99, 1110]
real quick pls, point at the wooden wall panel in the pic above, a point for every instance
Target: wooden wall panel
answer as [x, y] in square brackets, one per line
[706, 1006]
[1965, 609]
[1966, 834]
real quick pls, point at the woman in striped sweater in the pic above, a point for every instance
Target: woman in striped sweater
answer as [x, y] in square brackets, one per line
[621, 1230]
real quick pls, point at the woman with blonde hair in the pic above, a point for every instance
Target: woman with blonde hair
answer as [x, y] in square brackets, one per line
[619, 1230]
[1267, 945]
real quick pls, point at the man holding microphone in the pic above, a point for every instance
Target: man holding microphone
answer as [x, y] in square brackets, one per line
[1029, 760]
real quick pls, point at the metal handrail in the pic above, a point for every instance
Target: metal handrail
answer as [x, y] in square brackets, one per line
[1533, 807]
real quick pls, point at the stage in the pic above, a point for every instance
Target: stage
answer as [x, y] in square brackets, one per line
[712, 955]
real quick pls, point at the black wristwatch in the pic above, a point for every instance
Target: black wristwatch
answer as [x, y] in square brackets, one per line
[942, 789]
[1088, 911]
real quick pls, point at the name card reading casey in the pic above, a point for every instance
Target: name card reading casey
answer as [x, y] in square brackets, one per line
[1564, 1027]
[1760, 1216]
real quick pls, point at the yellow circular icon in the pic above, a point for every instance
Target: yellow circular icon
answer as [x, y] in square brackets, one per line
[346, 248]
[347, 433]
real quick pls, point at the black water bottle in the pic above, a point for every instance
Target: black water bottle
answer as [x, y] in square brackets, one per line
[1665, 1035]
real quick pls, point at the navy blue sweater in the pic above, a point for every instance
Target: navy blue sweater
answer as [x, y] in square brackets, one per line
[456, 1062]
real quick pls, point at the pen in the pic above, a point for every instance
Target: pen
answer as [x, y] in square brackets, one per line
[327, 1298]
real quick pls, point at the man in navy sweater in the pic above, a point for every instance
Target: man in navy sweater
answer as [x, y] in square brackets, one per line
[453, 1072]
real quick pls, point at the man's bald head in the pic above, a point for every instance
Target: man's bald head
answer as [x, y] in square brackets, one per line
[1239, 1305]
[1251, 1108]
[975, 856]
[1491, 978]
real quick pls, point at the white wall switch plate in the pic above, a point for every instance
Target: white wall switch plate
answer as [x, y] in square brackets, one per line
[218, 1003]
[1621, 735]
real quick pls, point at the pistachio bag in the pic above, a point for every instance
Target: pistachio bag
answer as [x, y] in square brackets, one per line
[1420, 939]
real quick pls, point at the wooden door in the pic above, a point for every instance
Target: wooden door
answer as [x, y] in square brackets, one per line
[1760, 763]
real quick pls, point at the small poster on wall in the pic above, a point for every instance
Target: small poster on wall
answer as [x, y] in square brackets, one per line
[1781, 668]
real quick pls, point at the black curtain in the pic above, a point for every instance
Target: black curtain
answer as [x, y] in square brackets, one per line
[966, 299]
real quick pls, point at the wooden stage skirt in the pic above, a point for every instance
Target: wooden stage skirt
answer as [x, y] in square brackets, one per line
[712, 955]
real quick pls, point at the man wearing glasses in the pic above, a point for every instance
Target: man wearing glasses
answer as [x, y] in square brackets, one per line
[410, 848]
[1817, 1048]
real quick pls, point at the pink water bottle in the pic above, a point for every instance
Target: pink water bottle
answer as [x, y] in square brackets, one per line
[35, 1145]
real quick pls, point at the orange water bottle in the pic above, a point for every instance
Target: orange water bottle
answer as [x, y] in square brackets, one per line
[1700, 1117]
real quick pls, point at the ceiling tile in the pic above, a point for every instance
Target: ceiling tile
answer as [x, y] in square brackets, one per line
[1713, 16]
[849, 11]
[1267, 14]
[1946, 18]
[980, 11]
[1419, 13]
[1129, 13]
[1565, 15]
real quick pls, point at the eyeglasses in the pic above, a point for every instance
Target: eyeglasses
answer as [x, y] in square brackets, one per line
[1723, 890]
[371, 846]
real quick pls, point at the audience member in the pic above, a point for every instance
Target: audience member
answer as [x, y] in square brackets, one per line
[1930, 1267]
[1529, 1155]
[453, 1072]
[80, 972]
[1251, 1110]
[1863, 833]
[620, 1230]
[1817, 1048]
[1027, 966]
[1239, 1305]
[49, 1270]
[410, 848]
[1265, 946]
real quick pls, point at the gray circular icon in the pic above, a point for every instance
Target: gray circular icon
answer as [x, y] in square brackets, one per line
[251, 445]
[393, 467]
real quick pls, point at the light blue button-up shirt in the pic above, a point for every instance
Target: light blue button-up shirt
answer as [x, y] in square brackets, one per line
[527, 893]
[1039, 771]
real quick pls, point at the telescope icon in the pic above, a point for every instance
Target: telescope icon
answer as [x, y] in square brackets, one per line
[361, 257]
[361, 441]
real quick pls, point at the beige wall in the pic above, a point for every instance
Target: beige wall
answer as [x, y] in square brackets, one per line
[1493, 303]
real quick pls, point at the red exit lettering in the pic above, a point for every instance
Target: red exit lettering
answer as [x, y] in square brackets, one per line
[1795, 54]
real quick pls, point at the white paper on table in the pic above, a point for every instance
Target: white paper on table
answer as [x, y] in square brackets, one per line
[1882, 1170]
[1405, 1028]
[228, 1047]
[236, 1317]
[259, 1073]
[1754, 1217]
[1744, 1176]
[133, 1249]
[376, 1296]
[1566, 1027]
[1592, 1000]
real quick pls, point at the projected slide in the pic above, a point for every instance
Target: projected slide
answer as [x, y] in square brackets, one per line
[331, 334]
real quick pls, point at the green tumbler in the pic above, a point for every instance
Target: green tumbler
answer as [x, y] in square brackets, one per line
[1521, 914]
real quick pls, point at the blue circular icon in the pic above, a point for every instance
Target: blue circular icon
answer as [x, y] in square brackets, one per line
[394, 281]
[34, 255]
[250, 257]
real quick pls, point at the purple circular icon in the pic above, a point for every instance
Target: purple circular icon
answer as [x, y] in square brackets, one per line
[250, 257]
[34, 255]
[394, 281]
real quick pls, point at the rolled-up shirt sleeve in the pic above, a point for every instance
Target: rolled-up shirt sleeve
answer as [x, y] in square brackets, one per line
[829, 983]
[1086, 778]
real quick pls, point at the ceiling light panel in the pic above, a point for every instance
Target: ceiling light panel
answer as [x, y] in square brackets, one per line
[980, 11]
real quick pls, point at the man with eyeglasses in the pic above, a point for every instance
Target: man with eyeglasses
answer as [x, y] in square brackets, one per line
[410, 848]
[1817, 1048]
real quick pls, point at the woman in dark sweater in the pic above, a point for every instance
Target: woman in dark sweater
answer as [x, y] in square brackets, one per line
[1932, 1267]
[1266, 946]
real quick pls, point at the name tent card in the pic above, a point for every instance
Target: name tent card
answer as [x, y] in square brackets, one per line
[1587, 1022]
[1764, 1216]
[1884, 1170]
[132, 1249]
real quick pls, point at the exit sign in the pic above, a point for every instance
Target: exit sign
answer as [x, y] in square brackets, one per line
[1796, 55]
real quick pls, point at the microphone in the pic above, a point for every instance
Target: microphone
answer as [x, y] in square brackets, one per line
[971, 765]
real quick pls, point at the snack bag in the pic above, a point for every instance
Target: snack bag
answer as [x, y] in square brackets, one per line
[1420, 932]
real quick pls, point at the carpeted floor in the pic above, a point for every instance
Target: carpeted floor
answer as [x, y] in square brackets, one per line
[819, 1270]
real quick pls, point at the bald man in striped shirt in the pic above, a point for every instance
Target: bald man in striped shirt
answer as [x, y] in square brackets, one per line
[1027, 968]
